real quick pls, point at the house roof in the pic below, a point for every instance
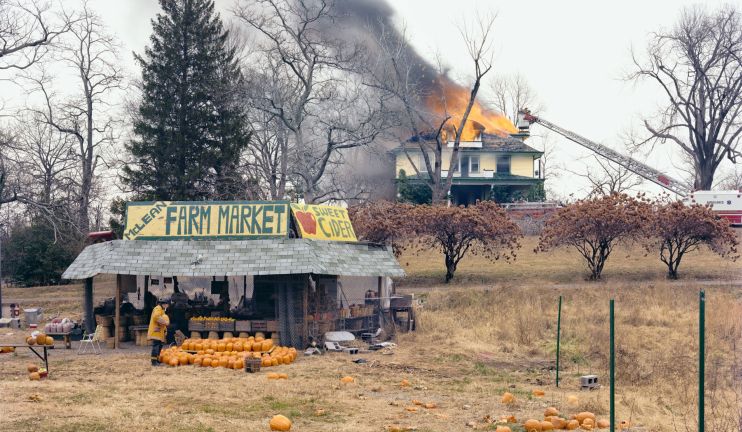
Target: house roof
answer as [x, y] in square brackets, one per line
[233, 258]
[490, 143]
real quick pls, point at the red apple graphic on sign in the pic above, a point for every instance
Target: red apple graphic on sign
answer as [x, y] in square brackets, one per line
[307, 221]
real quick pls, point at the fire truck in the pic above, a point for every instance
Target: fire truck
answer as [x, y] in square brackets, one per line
[727, 204]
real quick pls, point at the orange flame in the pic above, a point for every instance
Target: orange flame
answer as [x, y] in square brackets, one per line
[451, 99]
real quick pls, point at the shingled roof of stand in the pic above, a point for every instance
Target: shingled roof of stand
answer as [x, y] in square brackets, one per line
[233, 258]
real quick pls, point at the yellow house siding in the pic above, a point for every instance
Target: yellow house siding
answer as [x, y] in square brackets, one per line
[521, 165]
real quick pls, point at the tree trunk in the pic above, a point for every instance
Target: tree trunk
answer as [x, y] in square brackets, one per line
[450, 268]
[704, 176]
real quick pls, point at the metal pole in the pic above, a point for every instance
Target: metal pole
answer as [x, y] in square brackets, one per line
[612, 371]
[701, 359]
[559, 333]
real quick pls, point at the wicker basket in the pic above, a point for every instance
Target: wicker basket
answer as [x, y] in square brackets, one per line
[252, 364]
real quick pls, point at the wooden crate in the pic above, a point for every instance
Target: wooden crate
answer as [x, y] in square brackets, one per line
[242, 326]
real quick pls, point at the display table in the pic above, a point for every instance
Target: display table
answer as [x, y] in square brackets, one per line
[65, 338]
[33, 348]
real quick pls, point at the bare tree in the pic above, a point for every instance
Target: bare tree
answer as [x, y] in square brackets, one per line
[732, 181]
[698, 66]
[93, 55]
[609, 178]
[26, 31]
[510, 93]
[323, 106]
[398, 74]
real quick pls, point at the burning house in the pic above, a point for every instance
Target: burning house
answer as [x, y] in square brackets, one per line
[494, 162]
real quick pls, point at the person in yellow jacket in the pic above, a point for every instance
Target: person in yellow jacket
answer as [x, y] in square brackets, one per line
[157, 331]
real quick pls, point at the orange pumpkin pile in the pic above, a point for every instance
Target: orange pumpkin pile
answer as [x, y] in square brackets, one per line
[229, 353]
[40, 339]
[552, 421]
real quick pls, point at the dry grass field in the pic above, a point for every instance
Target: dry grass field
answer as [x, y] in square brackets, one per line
[491, 330]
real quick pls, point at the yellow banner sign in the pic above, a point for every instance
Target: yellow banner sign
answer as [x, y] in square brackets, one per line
[177, 220]
[323, 222]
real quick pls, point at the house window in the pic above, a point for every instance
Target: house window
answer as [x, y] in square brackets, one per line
[474, 164]
[503, 164]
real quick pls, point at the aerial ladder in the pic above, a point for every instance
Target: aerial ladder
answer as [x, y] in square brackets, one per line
[526, 119]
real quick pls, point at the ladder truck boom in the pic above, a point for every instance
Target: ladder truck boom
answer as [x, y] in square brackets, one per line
[525, 119]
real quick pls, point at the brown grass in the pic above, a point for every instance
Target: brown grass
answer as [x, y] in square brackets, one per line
[492, 330]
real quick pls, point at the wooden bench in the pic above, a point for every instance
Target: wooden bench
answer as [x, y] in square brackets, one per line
[65, 338]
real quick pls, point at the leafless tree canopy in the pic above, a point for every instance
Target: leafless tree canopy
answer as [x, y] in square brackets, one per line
[510, 93]
[26, 30]
[698, 66]
[304, 82]
[397, 74]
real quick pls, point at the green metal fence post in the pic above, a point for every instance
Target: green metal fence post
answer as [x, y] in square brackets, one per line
[612, 371]
[559, 334]
[701, 359]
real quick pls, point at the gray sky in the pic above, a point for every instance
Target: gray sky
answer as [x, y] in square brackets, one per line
[574, 54]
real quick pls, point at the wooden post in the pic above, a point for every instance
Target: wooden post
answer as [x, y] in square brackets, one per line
[88, 303]
[304, 310]
[118, 312]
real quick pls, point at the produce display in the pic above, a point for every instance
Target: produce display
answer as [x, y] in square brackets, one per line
[57, 325]
[37, 338]
[212, 319]
[7, 349]
[229, 353]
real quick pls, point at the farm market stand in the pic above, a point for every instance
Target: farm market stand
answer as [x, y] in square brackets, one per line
[265, 277]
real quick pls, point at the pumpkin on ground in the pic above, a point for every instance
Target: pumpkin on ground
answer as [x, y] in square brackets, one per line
[558, 422]
[603, 424]
[546, 426]
[573, 424]
[503, 429]
[280, 423]
[538, 393]
[508, 398]
[581, 417]
[32, 368]
[34, 376]
[347, 379]
[532, 425]
[551, 411]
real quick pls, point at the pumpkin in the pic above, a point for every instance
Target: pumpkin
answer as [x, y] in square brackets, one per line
[274, 361]
[603, 424]
[41, 338]
[587, 427]
[267, 345]
[247, 346]
[581, 417]
[30, 340]
[206, 362]
[508, 398]
[411, 408]
[280, 423]
[532, 425]
[173, 361]
[214, 363]
[223, 361]
[210, 351]
[572, 400]
[49, 340]
[347, 379]
[272, 376]
[509, 419]
[538, 393]
[546, 426]
[199, 347]
[221, 347]
[588, 422]
[238, 346]
[430, 405]
[573, 424]
[183, 360]
[239, 364]
[558, 422]
[197, 361]
[32, 368]
[503, 429]
[551, 411]
[229, 347]
[34, 376]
